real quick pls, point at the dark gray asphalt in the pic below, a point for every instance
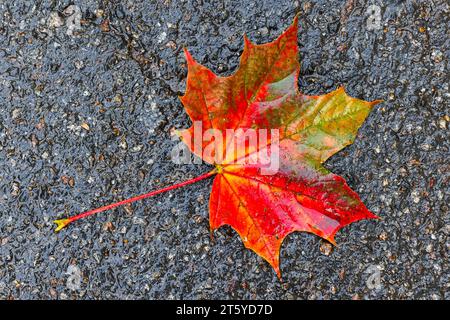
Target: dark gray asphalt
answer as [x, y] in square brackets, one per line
[85, 120]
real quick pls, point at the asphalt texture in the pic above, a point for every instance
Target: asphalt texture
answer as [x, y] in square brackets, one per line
[86, 113]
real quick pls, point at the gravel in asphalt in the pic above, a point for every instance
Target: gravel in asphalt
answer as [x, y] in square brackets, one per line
[88, 98]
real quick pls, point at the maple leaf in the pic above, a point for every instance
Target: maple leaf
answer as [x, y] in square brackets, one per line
[263, 94]
[301, 195]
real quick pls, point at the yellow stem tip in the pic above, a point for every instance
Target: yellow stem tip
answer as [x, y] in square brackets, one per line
[60, 224]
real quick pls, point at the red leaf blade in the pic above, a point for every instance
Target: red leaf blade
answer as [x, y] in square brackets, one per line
[263, 94]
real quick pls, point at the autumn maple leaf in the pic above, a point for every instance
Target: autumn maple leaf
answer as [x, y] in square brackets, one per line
[300, 195]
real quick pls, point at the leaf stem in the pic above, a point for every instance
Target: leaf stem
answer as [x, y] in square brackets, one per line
[60, 224]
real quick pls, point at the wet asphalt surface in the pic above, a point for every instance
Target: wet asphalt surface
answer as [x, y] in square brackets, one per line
[85, 119]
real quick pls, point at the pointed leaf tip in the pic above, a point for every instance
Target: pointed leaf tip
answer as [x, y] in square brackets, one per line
[295, 21]
[188, 56]
[375, 102]
[61, 224]
[277, 270]
[332, 240]
[247, 42]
